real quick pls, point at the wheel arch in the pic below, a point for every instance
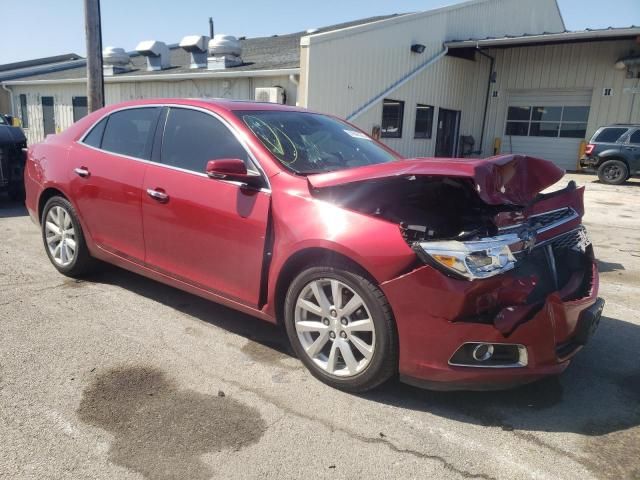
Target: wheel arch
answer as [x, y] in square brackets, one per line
[47, 194]
[312, 256]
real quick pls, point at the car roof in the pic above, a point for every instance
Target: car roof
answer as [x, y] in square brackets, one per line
[208, 103]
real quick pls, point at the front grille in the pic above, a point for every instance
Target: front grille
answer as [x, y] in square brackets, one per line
[544, 221]
[576, 240]
[4, 166]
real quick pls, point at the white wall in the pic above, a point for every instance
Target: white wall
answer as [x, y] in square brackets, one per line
[579, 66]
[349, 67]
[234, 88]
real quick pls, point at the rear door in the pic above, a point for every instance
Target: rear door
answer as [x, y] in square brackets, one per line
[109, 165]
[206, 232]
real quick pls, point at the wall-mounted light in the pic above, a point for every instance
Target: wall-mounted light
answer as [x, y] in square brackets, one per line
[418, 48]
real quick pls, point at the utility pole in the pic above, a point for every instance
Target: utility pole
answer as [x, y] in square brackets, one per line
[93, 31]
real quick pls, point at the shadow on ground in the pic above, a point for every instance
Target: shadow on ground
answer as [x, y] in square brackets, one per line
[597, 397]
[11, 208]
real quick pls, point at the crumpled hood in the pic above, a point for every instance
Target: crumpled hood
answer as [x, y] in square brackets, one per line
[499, 180]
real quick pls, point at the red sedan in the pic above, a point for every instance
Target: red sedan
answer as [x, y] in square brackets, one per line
[452, 273]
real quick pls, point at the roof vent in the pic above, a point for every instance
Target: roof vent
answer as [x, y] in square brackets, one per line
[224, 51]
[115, 60]
[157, 54]
[197, 46]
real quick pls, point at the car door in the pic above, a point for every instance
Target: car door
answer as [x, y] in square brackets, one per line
[633, 150]
[109, 165]
[207, 232]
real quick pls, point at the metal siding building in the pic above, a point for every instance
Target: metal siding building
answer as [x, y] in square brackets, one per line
[349, 70]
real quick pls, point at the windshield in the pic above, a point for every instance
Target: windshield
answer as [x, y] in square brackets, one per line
[310, 143]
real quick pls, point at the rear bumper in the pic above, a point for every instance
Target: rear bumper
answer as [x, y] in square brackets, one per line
[425, 302]
[588, 163]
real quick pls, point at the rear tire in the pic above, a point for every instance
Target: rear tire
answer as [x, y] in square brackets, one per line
[63, 238]
[349, 347]
[613, 172]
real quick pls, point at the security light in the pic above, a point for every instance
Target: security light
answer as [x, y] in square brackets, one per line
[417, 48]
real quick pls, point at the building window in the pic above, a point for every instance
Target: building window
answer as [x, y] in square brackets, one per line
[552, 122]
[392, 115]
[424, 121]
[24, 113]
[79, 108]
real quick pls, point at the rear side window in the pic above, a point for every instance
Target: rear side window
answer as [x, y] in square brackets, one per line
[635, 137]
[94, 138]
[610, 135]
[130, 132]
[192, 138]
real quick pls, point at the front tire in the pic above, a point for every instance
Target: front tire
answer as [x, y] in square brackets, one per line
[63, 238]
[613, 172]
[341, 327]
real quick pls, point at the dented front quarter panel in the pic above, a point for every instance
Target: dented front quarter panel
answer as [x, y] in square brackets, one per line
[435, 314]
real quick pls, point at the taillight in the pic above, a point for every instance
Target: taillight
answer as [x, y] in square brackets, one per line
[589, 148]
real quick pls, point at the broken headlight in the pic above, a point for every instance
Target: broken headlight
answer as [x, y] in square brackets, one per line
[473, 259]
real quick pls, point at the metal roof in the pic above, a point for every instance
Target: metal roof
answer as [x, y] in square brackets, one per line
[277, 52]
[31, 67]
[587, 35]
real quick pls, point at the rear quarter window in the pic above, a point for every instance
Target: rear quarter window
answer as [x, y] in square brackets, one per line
[610, 135]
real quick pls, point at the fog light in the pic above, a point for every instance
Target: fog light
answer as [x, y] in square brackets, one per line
[490, 355]
[482, 352]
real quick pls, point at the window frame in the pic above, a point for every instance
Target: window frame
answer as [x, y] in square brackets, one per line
[561, 122]
[159, 132]
[384, 134]
[24, 110]
[428, 134]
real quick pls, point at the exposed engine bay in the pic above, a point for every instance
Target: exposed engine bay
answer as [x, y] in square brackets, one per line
[425, 207]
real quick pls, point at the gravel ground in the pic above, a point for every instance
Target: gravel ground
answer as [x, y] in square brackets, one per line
[117, 376]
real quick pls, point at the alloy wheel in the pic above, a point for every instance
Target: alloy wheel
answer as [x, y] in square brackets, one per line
[335, 327]
[612, 173]
[60, 236]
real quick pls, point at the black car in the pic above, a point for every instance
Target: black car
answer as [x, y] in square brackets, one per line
[614, 152]
[12, 159]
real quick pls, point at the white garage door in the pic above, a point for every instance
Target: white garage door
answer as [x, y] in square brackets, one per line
[547, 124]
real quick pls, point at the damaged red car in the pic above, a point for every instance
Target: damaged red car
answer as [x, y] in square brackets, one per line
[451, 273]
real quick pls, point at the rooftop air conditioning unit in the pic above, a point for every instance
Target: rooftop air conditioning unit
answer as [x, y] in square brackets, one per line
[157, 54]
[270, 94]
[115, 60]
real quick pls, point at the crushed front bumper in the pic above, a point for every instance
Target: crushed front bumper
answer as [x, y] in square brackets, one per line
[436, 315]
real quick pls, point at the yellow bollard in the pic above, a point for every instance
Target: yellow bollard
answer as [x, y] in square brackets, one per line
[497, 144]
[582, 148]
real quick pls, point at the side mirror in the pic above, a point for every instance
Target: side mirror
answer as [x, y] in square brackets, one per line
[232, 169]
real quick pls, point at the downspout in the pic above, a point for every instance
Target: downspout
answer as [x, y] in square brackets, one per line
[486, 99]
[13, 108]
[397, 84]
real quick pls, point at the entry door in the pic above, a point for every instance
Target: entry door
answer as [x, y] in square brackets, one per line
[447, 133]
[48, 116]
[206, 232]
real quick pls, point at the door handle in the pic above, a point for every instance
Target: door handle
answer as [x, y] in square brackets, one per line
[81, 171]
[158, 195]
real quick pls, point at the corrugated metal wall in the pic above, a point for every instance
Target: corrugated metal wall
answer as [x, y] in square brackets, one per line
[235, 88]
[347, 68]
[567, 67]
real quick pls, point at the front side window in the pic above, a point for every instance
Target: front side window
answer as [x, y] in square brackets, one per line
[543, 121]
[392, 116]
[24, 112]
[309, 143]
[610, 135]
[80, 108]
[130, 132]
[424, 121]
[192, 138]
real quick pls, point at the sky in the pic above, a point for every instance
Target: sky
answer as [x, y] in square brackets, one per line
[41, 28]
